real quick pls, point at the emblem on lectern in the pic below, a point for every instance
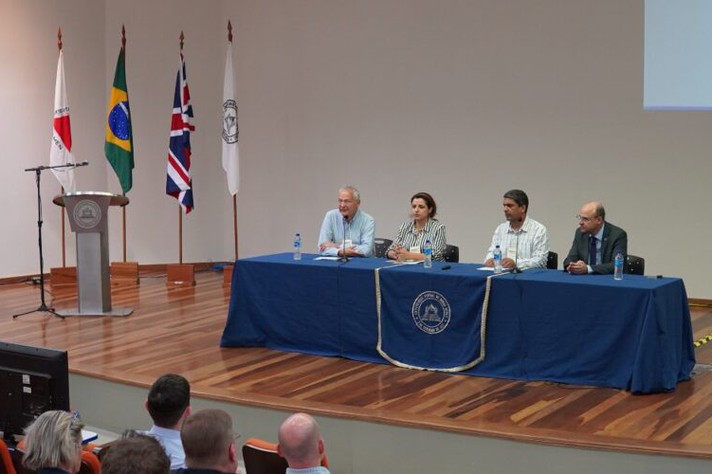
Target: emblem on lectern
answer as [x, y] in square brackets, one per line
[431, 312]
[87, 214]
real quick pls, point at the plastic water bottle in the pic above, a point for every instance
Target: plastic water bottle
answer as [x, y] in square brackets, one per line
[618, 267]
[497, 257]
[297, 246]
[428, 251]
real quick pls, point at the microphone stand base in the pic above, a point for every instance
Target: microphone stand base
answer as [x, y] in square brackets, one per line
[43, 308]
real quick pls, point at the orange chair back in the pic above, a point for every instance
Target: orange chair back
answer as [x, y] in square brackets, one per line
[90, 463]
[6, 466]
[261, 457]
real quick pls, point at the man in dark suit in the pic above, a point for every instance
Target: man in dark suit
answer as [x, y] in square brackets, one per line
[594, 232]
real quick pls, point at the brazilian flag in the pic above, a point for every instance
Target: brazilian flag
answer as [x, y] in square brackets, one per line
[119, 139]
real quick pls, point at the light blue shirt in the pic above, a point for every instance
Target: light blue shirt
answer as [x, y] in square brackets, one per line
[170, 440]
[308, 470]
[360, 231]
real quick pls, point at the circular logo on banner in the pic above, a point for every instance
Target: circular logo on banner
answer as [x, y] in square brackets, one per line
[431, 312]
[230, 129]
[87, 214]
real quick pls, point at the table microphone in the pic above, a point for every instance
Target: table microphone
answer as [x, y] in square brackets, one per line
[344, 258]
[516, 268]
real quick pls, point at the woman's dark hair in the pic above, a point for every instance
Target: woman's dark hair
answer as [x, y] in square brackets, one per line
[429, 201]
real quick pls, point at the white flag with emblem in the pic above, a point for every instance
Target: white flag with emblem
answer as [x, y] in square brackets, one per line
[230, 132]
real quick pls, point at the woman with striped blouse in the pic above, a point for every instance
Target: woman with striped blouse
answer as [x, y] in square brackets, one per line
[412, 234]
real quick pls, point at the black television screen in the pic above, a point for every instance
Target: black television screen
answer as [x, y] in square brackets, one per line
[32, 381]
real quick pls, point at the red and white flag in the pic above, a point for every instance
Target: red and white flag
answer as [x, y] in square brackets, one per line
[60, 152]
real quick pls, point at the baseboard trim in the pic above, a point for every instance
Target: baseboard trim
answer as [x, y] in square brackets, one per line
[142, 268]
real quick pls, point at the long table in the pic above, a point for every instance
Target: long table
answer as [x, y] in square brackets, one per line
[632, 334]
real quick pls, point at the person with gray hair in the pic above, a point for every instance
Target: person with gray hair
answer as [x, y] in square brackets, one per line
[53, 443]
[524, 242]
[347, 224]
[301, 445]
[209, 443]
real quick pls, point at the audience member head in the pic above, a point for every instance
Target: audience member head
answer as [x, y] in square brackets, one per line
[429, 202]
[300, 442]
[169, 401]
[208, 441]
[54, 440]
[135, 453]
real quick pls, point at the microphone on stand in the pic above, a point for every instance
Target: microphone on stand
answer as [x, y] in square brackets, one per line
[344, 258]
[516, 268]
[55, 167]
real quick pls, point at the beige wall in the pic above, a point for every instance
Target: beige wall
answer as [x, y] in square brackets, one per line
[357, 447]
[464, 99]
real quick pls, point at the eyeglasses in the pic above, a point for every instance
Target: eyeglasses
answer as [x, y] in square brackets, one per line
[584, 218]
[346, 201]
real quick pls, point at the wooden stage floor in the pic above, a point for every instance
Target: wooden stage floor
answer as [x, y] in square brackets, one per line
[178, 330]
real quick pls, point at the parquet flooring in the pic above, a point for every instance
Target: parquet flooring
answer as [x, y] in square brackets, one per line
[178, 330]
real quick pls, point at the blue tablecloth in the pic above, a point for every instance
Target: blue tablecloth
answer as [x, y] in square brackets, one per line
[633, 334]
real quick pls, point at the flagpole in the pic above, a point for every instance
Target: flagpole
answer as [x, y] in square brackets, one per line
[180, 210]
[234, 220]
[123, 208]
[123, 229]
[180, 235]
[234, 196]
[64, 243]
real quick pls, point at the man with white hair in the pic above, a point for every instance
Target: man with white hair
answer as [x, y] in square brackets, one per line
[347, 225]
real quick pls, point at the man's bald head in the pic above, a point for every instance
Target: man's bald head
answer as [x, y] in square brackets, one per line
[300, 442]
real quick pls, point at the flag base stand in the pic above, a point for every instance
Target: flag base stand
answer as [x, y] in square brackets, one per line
[115, 312]
[124, 273]
[180, 275]
[61, 277]
[227, 275]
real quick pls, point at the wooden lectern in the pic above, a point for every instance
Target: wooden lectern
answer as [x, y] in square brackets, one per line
[89, 220]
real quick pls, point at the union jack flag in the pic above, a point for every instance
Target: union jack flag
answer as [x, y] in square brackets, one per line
[179, 183]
